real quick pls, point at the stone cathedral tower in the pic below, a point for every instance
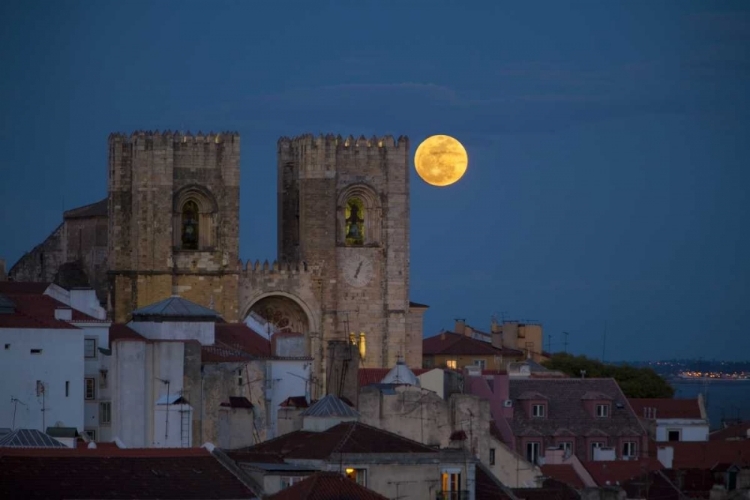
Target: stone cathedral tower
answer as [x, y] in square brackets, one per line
[174, 220]
[344, 211]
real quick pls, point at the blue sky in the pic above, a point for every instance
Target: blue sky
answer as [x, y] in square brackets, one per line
[608, 141]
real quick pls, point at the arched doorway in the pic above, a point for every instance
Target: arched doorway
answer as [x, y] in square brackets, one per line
[281, 314]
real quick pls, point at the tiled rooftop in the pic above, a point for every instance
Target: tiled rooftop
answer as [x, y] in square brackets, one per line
[487, 487]
[614, 472]
[566, 408]
[666, 408]
[733, 432]
[326, 486]
[120, 331]
[104, 474]
[369, 376]
[550, 490]
[451, 343]
[565, 473]
[36, 311]
[346, 437]
[28, 438]
[330, 406]
[706, 454]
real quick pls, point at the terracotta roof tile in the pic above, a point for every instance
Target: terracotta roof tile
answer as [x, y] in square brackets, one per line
[565, 473]
[566, 409]
[732, 432]
[666, 408]
[620, 471]
[326, 486]
[23, 287]
[295, 402]
[242, 337]
[457, 344]
[550, 490]
[656, 487]
[237, 402]
[105, 474]
[37, 311]
[346, 437]
[120, 331]
[706, 454]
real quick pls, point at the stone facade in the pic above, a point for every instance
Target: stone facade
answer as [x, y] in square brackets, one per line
[154, 179]
[172, 226]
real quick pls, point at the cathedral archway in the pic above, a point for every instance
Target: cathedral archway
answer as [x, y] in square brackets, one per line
[283, 313]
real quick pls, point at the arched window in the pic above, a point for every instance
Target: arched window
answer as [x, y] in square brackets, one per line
[190, 225]
[354, 217]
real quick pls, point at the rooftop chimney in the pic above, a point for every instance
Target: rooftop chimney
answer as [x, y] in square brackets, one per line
[460, 326]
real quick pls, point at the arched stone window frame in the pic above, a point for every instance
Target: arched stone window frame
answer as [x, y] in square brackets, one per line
[372, 216]
[207, 216]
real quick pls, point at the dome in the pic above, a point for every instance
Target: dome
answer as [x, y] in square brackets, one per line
[400, 374]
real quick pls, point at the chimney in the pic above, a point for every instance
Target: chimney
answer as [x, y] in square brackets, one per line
[460, 326]
[64, 314]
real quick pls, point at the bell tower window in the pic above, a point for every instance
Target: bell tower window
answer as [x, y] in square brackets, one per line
[354, 216]
[190, 225]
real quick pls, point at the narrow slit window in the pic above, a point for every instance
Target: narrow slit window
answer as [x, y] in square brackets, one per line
[190, 225]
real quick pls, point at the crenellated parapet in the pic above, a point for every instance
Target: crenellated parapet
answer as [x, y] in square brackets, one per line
[174, 136]
[337, 142]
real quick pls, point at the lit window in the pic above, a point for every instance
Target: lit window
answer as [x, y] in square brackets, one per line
[451, 363]
[602, 411]
[90, 388]
[451, 482]
[359, 476]
[105, 413]
[89, 348]
[354, 217]
[537, 410]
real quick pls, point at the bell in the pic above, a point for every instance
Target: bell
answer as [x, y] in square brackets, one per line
[353, 231]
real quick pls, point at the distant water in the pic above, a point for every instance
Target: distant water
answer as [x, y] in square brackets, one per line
[726, 399]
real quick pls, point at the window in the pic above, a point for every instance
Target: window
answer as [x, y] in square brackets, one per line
[359, 476]
[594, 446]
[89, 348]
[89, 388]
[567, 447]
[532, 451]
[537, 410]
[36, 351]
[91, 433]
[67, 388]
[451, 363]
[190, 225]
[492, 456]
[354, 218]
[629, 449]
[451, 481]
[673, 435]
[239, 377]
[480, 363]
[602, 411]
[105, 413]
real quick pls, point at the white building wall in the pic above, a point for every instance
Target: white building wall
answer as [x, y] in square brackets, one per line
[129, 371]
[690, 429]
[93, 367]
[60, 362]
[433, 380]
[289, 378]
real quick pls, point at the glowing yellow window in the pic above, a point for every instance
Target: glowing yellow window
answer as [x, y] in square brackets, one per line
[451, 363]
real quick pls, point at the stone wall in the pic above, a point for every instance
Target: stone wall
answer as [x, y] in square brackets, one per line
[317, 175]
[151, 175]
[42, 262]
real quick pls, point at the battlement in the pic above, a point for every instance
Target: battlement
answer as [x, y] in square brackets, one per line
[174, 136]
[274, 268]
[337, 142]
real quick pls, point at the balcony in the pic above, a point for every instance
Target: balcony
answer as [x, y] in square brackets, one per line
[452, 495]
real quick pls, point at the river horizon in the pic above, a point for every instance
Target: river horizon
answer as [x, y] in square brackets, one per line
[725, 399]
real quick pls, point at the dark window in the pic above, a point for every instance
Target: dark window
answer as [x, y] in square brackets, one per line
[673, 435]
[67, 388]
[492, 456]
[190, 225]
[89, 388]
[89, 348]
[105, 413]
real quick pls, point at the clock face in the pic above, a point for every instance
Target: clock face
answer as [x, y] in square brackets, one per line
[358, 271]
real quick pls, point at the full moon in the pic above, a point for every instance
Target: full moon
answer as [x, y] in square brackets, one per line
[441, 160]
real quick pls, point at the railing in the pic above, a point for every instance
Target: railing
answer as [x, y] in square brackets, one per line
[452, 495]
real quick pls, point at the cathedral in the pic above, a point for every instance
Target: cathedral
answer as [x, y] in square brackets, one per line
[170, 225]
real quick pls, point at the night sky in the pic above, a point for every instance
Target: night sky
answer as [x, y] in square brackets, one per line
[608, 142]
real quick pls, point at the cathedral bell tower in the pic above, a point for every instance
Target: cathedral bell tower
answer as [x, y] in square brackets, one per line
[344, 211]
[173, 220]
